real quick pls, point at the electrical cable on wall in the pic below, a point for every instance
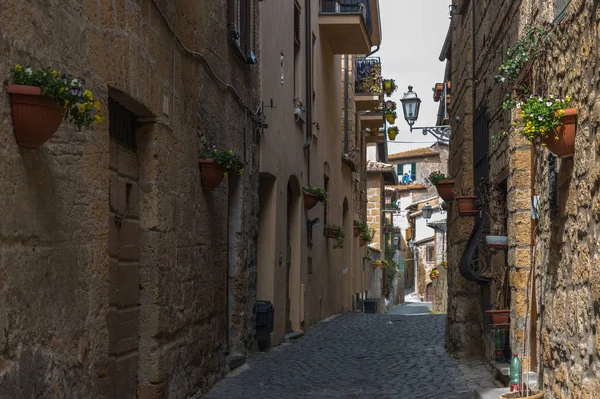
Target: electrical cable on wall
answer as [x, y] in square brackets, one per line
[256, 115]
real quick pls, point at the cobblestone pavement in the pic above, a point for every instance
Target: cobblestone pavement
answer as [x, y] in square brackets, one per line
[364, 356]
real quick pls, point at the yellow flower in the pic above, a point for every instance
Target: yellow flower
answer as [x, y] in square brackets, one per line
[568, 98]
[89, 95]
[66, 102]
[81, 108]
[62, 89]
[98, 118]
[543, 129]
[18, 68]
[561, 112]
[55, 73]
[97, 105]
[89, 105]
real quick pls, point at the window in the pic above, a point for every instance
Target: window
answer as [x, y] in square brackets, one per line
[407, 172]
[297, 16]
[241, 26]
[560, 8]
[121, 125]
[430, 255]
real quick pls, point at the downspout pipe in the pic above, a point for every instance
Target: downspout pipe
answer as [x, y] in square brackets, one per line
[346, 101]
[308, 66]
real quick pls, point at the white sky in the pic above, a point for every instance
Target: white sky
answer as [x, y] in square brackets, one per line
[413, 35]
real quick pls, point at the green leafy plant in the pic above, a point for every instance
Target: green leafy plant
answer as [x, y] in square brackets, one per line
[391, 105]
[437, 176]
[541, 115]
[526, 49]
[226, 158]
[340, 235]
[391, 112]
[371, 79]
[362, 225]
[319, 192]
[80, 107]
[367, 235]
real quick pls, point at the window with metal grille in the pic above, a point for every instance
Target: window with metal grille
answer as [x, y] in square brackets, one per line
[481, 170]
[552, 185]
[430, 254]
[241, 25]
[560, 9]
[297, 16]
[121, 125]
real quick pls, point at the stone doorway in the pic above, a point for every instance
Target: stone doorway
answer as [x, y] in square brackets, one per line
[124, 254]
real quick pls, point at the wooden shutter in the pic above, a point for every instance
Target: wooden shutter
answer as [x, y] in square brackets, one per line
[400, 170]
[413, 171]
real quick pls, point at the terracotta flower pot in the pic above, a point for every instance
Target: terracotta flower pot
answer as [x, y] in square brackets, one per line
[444, 189]
[374, 132]
[362, 242]
[356, 231]
[533, 394]
[35, 117]
[466, 205]
[375, 265]
[212, 173]
[562, 143]
[499, 316]
[310, 200]
[331, 232]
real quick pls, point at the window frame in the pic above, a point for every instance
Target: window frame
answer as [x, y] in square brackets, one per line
[429, 250]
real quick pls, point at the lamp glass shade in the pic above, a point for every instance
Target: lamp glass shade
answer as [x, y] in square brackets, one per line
[427, 211]
[411, 104]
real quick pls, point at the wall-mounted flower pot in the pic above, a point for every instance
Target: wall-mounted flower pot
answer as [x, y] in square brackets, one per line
[212, 173]
[356, 231]
[562, 143]
[35, 117]
[444, 189]
[392, 132]
[390, 119]
[310, 200]
[466, 205]
[386, 230]
[533, 394]
[362, 242]
[496, 241]
[375, 265]
[331, 232]
[498, 316]
[374, 132]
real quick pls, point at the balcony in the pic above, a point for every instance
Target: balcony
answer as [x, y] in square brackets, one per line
[368, 83]
[347, 25]
[371, 120]
[375, 136]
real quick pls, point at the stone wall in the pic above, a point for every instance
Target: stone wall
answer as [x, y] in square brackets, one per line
[194, 292]
[566, 255]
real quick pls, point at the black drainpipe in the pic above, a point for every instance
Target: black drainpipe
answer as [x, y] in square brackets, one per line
[309, 122]
[346, 78]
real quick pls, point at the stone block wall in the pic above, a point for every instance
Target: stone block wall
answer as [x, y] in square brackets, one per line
[196, 297]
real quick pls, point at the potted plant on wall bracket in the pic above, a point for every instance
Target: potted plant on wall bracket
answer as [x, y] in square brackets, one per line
[435, 273]
[444, 185]
[41, 99]
[391, 105]
[466, 203]
[215, 164]
[337, 233]
[392, 132]
[366, 236]
[360, 226]
[313, 195]
[375, 264]
[389, 86]
[444, 264]
[390, 116]
[549, 119]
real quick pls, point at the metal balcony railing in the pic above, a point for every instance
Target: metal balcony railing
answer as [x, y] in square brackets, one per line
[350, 7]
[368, 75]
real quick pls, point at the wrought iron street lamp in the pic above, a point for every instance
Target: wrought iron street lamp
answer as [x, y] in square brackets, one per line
[411, 104]
[427, 211]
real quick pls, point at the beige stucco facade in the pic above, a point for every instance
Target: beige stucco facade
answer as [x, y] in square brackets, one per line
[299, 271]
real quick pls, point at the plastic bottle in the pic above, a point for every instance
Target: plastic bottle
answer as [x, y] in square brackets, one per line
[515, 373]
[499, 345]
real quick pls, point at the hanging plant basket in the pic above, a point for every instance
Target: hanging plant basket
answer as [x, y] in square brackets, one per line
[35, 117]
[466, 205]
[392, 133]
[444, 189]
[496, 241]
[310, 200]
[212, 173]
[562, 142]
[498, 316]
[356, 232]
[331, 232]
[362, 242]
[390, 119]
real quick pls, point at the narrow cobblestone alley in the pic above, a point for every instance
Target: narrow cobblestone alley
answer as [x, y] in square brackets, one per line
[362, 356]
